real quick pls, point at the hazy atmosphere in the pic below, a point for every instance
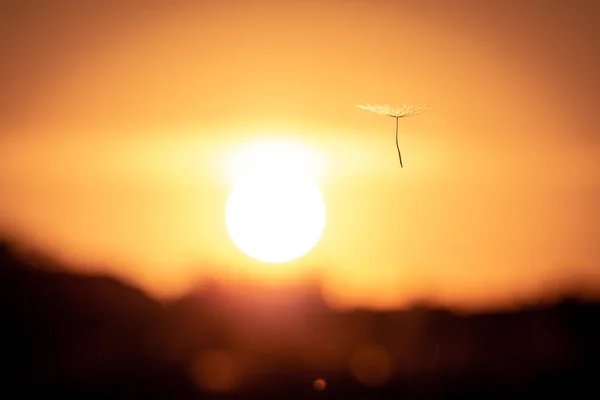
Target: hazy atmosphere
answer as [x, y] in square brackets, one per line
[119, 121]
[300, 199]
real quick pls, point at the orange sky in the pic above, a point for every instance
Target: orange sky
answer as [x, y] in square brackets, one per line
[115, 122]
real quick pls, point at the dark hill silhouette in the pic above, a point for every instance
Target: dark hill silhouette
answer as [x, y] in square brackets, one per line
[94, 336]
[71, 334]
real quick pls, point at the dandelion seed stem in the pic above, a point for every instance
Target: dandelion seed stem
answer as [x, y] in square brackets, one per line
[398, 146]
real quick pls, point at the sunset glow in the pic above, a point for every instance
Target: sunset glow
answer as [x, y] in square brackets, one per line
[275, 219]
[129, 130]
[274, 159]
[259, 199]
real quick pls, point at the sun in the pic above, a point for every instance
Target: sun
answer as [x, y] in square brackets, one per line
[275, 213]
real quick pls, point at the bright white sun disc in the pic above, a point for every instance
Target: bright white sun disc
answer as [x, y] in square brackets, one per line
[275, 220]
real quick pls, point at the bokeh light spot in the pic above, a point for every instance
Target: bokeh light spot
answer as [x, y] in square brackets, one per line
[320, 384]
[371, 365]
[214, 371]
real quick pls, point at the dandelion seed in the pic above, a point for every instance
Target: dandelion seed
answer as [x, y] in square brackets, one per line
[402, 112]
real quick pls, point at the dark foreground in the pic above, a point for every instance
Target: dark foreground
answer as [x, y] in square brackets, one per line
[95, 337]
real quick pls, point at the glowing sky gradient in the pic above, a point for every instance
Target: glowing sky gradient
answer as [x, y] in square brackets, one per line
[116, 121]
